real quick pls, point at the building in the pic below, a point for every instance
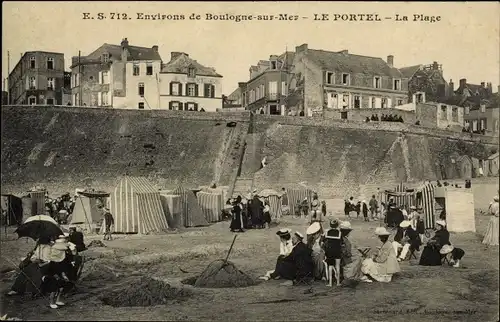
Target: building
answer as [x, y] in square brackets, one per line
[472, 95]
[185, 84]
[38, 78]
[118, 76]
[483, 119]
[235, 99]
[326, 80]
[426, 80]
[439, 115]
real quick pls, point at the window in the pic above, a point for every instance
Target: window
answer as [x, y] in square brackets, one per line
[50, 83]
[174, 106]
[419, 98]
[400, 102]
[32, 100]
[191, 90]
[454, 114]
[377, 82]
[372, 102]
[397, 84]
[466, 110]
[91, 78]
[274, 64]
[105, 77]
[357, 101]
[383, 102]
[191, 72]
[191, 107]
[104, 96]
[474, 125]
[483, 124]
[273, 90]
[141, 89]
[284, 89]
[141, 105]
[444, 115]
[345, 79]
[136, 70]
[50, 101]
[76, 100]
[483, 108]
[149, 69]
[467, 124]
[32, 84]
[209, 90]
[50, 63]
[105, 57]
[330, 78]
[175, 89]
[257, 93]
[32, 62]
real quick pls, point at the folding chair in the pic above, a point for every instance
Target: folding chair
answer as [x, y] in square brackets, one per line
[412, 253]
[306, 280]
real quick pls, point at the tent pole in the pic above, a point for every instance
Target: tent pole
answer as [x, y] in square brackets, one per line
[85, 213]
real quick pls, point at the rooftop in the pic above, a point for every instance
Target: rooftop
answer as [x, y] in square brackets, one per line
[180, 64]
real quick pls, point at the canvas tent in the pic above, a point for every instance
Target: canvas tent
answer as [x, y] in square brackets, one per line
[172, 206]
[13, 208]
[87, 213]
[191, 211]
[459, 206]
[136, 207]
[34, 203]
[297, 194]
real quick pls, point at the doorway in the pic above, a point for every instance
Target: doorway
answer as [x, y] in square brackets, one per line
[343, 115]
[274, 110]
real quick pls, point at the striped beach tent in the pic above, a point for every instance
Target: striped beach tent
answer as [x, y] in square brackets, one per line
[426, 200]
[37, 199]
[275, 205]
[136, 207]
[298, 194]
[210, 205]
[87, 214]
[191, 211]
[172, 206]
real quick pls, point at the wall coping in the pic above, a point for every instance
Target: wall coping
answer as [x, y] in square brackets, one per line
[244, 116]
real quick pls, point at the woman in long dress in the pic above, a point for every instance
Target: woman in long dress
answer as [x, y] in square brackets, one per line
[314, 233]
[286, 247]
[237, 217]
[491, 236]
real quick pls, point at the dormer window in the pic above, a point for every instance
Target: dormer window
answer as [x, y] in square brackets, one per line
[397, 84]
[330, 78]
[274, 64]
[191, 72]
[346, 79]
[105, 57]
[377, 82]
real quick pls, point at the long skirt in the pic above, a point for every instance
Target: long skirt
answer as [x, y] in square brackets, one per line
[491, 236]
[369, 267]
[284, 269]
[236, 222]
[430, 256]
[319, 266]
[352, 271]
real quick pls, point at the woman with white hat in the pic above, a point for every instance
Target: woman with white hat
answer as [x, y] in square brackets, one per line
[430, 254]
[314, 232]
[491, 236]
[286, 247]
[55, 274]
[383, 264]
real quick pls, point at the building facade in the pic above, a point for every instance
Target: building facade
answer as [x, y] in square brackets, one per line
[427, 80]
[115, 76]
[483, 119]
[339, 80]
[185, 84]
[439, 115]
[38, 78]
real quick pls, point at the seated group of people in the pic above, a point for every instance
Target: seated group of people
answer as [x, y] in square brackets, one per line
[328, 255]
[51, 268]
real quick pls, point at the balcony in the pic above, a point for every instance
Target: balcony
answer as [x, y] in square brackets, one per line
[272, 96]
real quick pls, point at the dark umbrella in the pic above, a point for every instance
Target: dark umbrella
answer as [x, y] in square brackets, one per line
[40, 226]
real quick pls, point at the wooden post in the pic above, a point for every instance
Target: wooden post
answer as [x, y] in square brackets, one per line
[230, 248]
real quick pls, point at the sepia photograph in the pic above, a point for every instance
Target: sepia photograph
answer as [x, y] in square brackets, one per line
[250, 161]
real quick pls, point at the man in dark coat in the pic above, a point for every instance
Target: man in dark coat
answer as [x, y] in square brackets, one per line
[410, 239]
[256, 209]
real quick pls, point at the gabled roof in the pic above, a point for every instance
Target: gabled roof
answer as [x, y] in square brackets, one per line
[134, 52]
[409, 71]
[182, 63]
[349, 63]
[493, 156]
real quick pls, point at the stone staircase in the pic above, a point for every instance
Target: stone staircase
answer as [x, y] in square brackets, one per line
[242, 186]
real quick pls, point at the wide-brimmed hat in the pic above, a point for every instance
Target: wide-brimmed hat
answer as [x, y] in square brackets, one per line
[345, 225]
[283, 232]
[334, 223]
[446, 249]
[413, 207]
[441, 223]
[382, 231]
[313, 228]
[299, 235]
[405, 223]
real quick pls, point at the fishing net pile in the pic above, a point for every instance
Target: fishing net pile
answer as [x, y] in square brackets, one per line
[143, 291]
[221, 273]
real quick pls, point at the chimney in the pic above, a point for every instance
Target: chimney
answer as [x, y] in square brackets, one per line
[490, 88]
[241, 84]
[155, 48]
[345, 52]
[482, 84]
[435, 65]
[390, 60]
[452, 86]
[175, 54]
[463, 82]
[124, 44]
[301, 48]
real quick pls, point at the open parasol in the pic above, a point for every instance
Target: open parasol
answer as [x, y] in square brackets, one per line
[39, 226]
[268, 192]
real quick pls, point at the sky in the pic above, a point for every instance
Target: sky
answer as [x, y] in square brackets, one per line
[465, 40]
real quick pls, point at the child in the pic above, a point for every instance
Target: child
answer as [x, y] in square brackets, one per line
[333, 252]
[365, 210]
[298, 209]
[323, 209]
[267, 214]
[358, 209]
[420, 228]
